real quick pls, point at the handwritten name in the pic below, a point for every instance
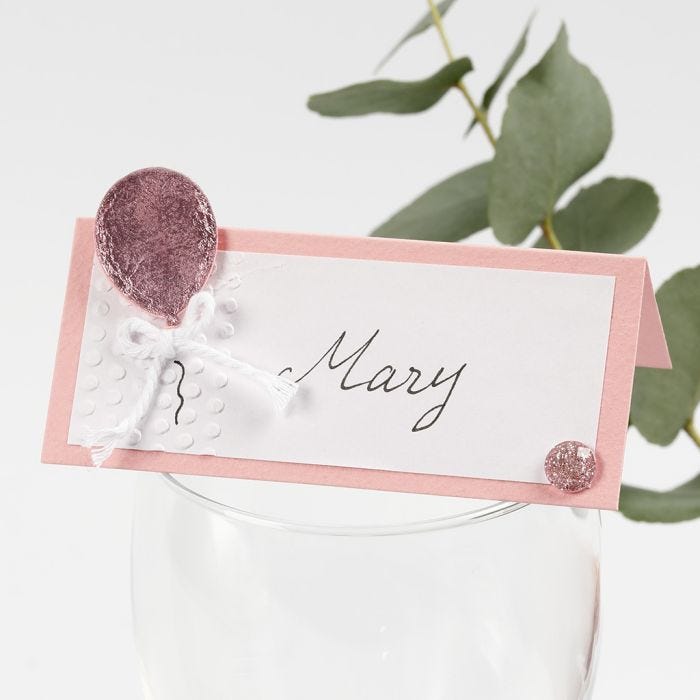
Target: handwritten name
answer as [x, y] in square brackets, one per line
[385, 378]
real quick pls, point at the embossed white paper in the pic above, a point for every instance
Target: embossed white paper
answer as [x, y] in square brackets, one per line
[406, 367]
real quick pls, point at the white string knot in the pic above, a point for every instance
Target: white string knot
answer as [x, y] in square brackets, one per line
[141, 340]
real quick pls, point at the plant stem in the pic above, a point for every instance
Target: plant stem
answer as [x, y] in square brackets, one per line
[692, 431]
[478, 112]
[481, 117]
[549, 234]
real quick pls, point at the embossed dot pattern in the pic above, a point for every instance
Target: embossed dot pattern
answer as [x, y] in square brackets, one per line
[191, 390]
[87, 407]
[108, 385]
[213, 430]
[90, 382]
[97, 333]
[161, 426]
[226, 330]
[195, 365]
[215, 405]
[184, 441]
[220, 380]
[230, 305]
[93, 357]
[114, 397]
[117, 372]
[164, 401]
[188, 415]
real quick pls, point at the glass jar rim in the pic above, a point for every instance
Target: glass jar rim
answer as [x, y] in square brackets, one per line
[474, 516]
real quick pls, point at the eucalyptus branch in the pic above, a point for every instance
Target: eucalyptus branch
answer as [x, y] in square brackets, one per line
[481, 117]
[479, 114]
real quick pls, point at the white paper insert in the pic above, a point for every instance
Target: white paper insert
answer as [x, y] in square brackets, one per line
[531, 345]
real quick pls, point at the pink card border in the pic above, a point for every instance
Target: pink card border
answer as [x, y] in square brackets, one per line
[630, 275]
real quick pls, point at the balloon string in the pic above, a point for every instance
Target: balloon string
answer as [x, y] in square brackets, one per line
[141, 340]
[179, 393]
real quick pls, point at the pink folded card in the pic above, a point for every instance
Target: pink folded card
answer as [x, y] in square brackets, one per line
[421, 367]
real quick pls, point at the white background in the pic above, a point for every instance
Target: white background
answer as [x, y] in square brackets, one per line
[93, 90]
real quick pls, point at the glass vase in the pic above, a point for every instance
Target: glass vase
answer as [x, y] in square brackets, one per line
[263, 591]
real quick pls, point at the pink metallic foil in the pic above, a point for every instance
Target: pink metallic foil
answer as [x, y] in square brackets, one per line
[155, 236]
[570, 466]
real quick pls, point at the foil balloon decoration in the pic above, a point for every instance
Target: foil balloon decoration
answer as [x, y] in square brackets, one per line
[155, 236]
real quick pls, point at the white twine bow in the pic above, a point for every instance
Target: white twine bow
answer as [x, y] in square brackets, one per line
[139, 339]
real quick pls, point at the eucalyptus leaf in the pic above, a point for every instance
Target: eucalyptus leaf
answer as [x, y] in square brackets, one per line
[451, 210]
[675, 506]
[610, 217]
[390, 95]
[663, 400]
[557, 126]
[492, 90]
[425, 22]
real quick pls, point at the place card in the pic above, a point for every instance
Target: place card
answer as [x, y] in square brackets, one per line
[421, 367]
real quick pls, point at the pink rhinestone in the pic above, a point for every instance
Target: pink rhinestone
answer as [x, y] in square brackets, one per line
[570, 466]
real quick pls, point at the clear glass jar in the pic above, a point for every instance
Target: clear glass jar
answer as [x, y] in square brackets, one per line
[264, 591]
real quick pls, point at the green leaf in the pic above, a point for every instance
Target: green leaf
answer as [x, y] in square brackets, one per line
[425, 22]
[610, 217]
[663, 400]
[557, 126]
[681, 503]
[390, 95]
[451, 210]
[492, 90]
